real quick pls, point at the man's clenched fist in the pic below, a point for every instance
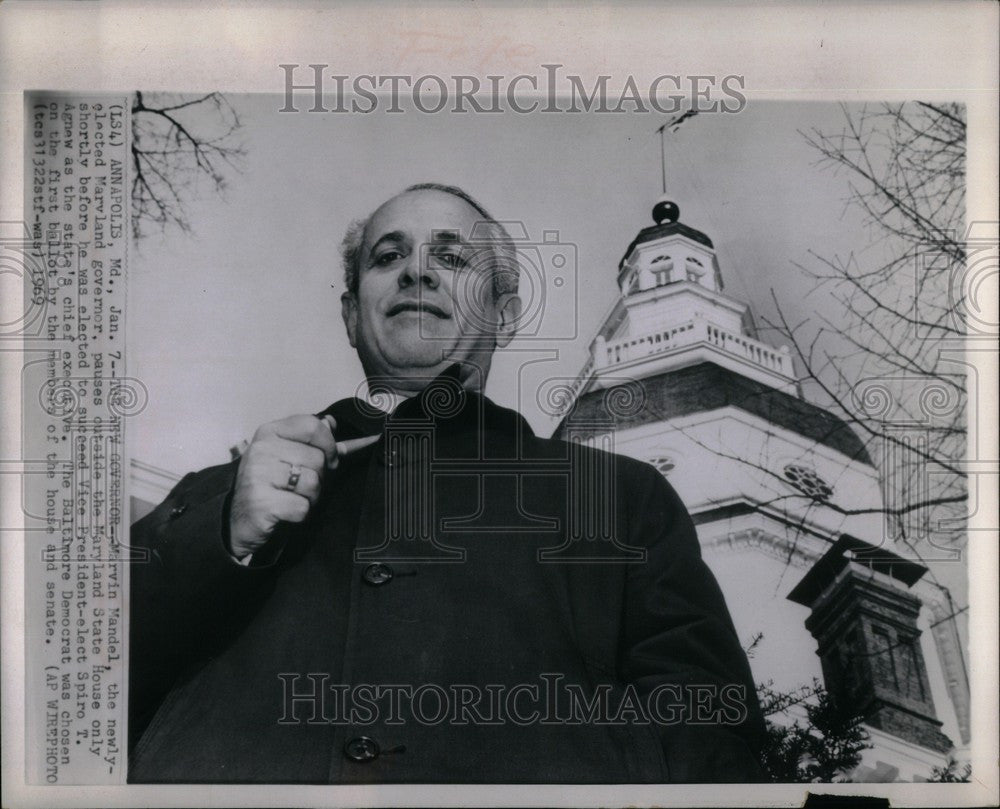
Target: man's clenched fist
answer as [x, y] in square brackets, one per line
[280, 477]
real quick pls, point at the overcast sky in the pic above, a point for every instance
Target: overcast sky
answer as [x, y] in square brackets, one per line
[238, 324]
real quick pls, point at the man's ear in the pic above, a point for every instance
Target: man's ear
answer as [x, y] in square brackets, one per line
[509, 307]
[349, 311]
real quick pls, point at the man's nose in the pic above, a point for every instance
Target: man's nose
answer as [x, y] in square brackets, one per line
[418, 271]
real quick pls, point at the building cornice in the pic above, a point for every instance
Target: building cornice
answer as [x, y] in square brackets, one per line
[708, 386]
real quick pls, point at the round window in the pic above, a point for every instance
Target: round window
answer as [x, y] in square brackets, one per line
[663, 464]
[808, 482]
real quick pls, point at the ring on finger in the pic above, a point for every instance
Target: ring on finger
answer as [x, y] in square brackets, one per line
[293, 477]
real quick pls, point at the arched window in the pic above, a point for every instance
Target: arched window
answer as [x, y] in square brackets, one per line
[661, 273]
[693, 269]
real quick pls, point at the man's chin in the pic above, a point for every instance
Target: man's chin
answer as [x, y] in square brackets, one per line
[411, 366]
[417, 366]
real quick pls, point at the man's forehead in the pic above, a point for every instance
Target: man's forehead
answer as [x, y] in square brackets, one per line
[426, 213]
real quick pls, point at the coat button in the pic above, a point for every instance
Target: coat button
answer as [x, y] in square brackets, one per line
[377, 574]
[361, 749]
[177, 511]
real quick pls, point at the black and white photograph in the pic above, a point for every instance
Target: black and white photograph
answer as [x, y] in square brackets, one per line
[411, 538]
[482, 414]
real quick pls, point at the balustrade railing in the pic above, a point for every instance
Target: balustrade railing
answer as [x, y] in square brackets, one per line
[607, 355]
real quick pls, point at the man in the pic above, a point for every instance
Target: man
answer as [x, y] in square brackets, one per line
[421, 595]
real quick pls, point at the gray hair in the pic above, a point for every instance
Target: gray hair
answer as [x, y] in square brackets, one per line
[505, 266]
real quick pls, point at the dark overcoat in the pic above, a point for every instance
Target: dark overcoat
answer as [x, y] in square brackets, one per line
[466, 603]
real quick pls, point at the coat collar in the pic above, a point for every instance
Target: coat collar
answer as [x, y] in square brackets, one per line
[444, 403]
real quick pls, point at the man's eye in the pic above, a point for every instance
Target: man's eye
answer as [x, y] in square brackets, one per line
[450, 260]
[386, 258]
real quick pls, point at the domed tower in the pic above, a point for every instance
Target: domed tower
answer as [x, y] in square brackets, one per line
[668, 251]
[672, 313]
[781, 491]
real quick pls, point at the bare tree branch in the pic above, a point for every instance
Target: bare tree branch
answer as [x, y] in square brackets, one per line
[179, 145]
[901, 308]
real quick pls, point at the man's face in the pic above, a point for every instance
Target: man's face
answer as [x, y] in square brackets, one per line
[425, 295]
